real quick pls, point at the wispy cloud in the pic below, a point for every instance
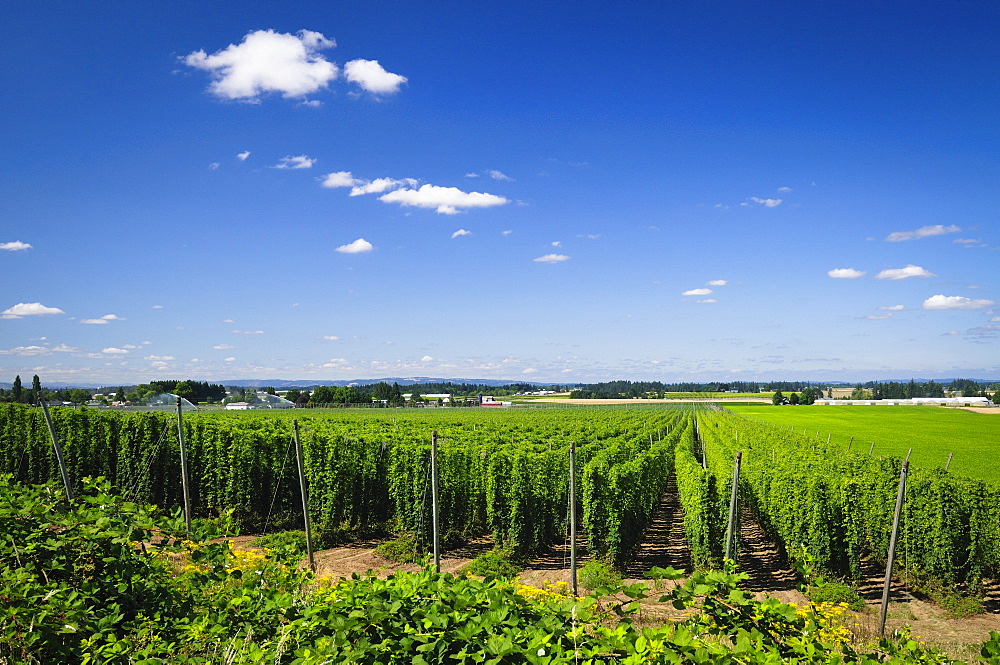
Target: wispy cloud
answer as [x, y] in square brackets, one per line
[956, 302]
[845, 273]
[879, 316]
[32, 350]
[16, 246]
[372, 77]
[718, 282]
[904, 273]
[104, 320]
[267, 61]
[223, 347]
[330, 338]
[785, 190]
[295, 162]
[697, 292]
[706, 300]
[22, 309]
[247, 332]
[445, 200]
[461, 232]
[922, 232]
[767, 203]
[498, 175]
[551, 258]
[380, 185]
[893, 308]
[242, 156]
[359, 246]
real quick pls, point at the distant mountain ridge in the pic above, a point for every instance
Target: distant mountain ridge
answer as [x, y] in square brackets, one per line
[413, 380]
[305, 383]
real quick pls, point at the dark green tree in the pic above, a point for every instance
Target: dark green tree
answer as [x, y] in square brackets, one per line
[17, 391]
[323, 395]
[777, 399]
[793, 398]
[36, 389]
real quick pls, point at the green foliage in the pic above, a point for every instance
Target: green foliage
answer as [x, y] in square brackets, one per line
[495, 563]
[931, 432]
[839, 505]
[293, 543]
[836, 593]
[597, 574]
[402, 548]
[122, 602]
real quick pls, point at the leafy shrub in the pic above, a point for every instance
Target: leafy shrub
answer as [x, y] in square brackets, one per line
[836, 593]
[288, 543]
[598, 574]
[495, 563]
[402, 549]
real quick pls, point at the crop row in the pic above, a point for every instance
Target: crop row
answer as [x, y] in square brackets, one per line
[504, 474]
[839, 505]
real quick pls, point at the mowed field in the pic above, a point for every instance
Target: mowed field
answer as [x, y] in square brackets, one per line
[932, 432]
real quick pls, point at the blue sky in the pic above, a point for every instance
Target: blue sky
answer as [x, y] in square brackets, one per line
[559, 191]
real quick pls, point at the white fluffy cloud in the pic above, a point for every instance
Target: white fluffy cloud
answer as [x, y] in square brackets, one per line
[461, 232]
[267, 61]
[697, 292]
[16, 246]
[903, 273]
[339, 179]
[767, 203]
[29, 309]
[845, 273]
[551, 258]
[295, 162]
[718, 282]
[446, 200]
[242, 156]
[956, 302]
[114, 351]
[359, 246]
[922, 232]
[372, 77]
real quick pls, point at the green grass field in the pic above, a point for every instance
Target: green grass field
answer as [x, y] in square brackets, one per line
[932, 432]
